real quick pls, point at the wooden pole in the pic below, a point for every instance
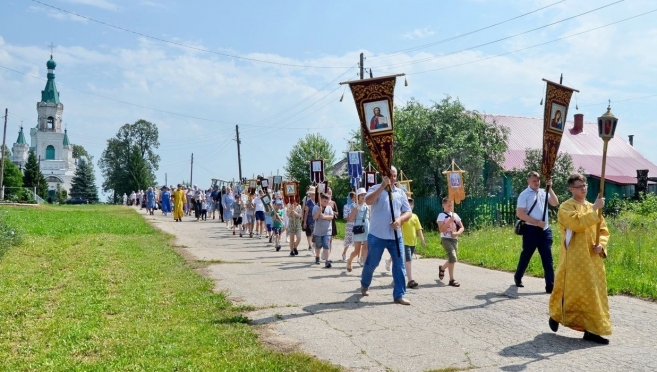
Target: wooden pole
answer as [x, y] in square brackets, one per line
[2, 161]
[602, 188]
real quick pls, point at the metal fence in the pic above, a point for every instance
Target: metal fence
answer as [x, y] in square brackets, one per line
[474, 212]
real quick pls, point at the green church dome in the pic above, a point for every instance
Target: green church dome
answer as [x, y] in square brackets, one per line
[51, 64]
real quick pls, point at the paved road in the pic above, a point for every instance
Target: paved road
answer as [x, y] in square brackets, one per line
[487, 324]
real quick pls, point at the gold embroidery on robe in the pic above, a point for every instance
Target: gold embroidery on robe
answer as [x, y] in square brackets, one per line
[579, 298]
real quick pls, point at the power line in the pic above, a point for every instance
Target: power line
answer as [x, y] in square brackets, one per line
[184, 45]
[387, 67]
[387, 55]
[535, 45]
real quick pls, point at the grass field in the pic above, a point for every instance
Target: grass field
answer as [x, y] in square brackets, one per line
[96, 288]
[631, 264]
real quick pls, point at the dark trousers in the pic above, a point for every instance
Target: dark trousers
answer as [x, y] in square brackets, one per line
[197, 208]
[536, 238]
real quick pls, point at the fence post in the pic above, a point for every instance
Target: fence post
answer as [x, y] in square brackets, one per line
[35, 194]
[2, 193]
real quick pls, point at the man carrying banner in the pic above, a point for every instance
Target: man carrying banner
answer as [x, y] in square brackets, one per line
[382, 234]
[537, 233]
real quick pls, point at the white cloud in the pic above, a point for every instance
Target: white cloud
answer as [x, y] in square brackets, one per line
[103, 4]
[418, 33]
[52, 13]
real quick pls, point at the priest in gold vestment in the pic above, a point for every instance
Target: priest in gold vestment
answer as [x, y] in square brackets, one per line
[179, 199]
[579, 298]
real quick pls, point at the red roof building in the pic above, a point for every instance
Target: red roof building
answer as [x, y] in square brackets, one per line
[582, 142]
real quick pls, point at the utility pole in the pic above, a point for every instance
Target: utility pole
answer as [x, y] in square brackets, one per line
[191, 171]
[239, 158]
[2, 167]
[166, 182]
[362, 68]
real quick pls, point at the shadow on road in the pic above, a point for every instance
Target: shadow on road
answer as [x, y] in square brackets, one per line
[542, 347]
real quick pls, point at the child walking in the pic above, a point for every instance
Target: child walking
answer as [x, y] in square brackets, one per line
[277, 223]
[323, 215]
[450, 226]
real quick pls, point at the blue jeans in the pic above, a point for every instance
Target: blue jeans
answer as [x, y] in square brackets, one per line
[536, 238]
[375, 248]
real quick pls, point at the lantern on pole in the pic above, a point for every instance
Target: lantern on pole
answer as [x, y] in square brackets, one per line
[606, 130]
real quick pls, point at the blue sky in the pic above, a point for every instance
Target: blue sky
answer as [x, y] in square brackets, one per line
[276, 104]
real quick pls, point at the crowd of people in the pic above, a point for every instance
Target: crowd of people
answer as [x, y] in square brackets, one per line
[379, 220]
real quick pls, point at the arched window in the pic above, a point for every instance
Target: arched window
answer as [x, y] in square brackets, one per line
[50, 124]
[50, 152]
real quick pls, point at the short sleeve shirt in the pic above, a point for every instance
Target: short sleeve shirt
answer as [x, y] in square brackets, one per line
[441, 217]
[381, 217]
[527, 198]
[322, 226]
[409, 230]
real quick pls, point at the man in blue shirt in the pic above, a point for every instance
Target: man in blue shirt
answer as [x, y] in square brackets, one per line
[382, 234]
[537, 233]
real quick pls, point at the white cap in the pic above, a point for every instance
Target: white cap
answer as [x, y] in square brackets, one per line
[361, 191]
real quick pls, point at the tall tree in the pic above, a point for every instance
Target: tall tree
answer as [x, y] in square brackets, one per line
[79, 152]
[129, 162]
[12, 178]
[33, 176]
[313, 146]
[428, 138]
[83, 183]
[563, 167]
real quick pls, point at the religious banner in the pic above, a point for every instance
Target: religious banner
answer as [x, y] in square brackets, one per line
[355, 167]
[252, 186]
[278, 182]
[317, 171]
[455, 184]
[557, 99]
[291, 192]
[370, 179]
[374, 103]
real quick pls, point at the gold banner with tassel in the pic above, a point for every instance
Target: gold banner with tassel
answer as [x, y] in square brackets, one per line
[455, 184]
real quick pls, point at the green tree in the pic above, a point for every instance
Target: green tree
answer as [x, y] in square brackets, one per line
[60, 195]
[33, 176]
[79, 152]
[83, 183]
[427, 139]
[563, 167]
[313, 146]
[12, 178]
[129, 162]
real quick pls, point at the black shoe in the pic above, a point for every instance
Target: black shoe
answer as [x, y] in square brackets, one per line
[588, 336]
[278, 248]
[310, 248]
[291, 254]
[296, 253]
[316, 260]
[549, 288]
[519, 283]
[328, 265]
[554, 325]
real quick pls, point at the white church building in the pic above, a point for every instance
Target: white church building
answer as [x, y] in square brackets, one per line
[51, 145]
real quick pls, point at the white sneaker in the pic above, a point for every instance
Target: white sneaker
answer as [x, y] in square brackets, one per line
[344, 257]
[388, 263]
[360, 262]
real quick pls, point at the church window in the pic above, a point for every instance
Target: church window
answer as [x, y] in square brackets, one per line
[50, 125]
[50, 152]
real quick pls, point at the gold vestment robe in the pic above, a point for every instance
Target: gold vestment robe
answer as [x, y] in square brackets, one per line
[179, 199]
[579, 298]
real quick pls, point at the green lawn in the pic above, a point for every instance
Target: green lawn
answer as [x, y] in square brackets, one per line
[631, 263]
[97, 288]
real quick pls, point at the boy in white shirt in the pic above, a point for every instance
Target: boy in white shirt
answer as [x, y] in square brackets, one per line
[450, 227]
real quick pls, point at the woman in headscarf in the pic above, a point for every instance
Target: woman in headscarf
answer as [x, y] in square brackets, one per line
[150, 200]
[166, 200]
[227, 201]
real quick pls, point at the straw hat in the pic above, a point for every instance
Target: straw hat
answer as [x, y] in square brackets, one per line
[311, 190]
